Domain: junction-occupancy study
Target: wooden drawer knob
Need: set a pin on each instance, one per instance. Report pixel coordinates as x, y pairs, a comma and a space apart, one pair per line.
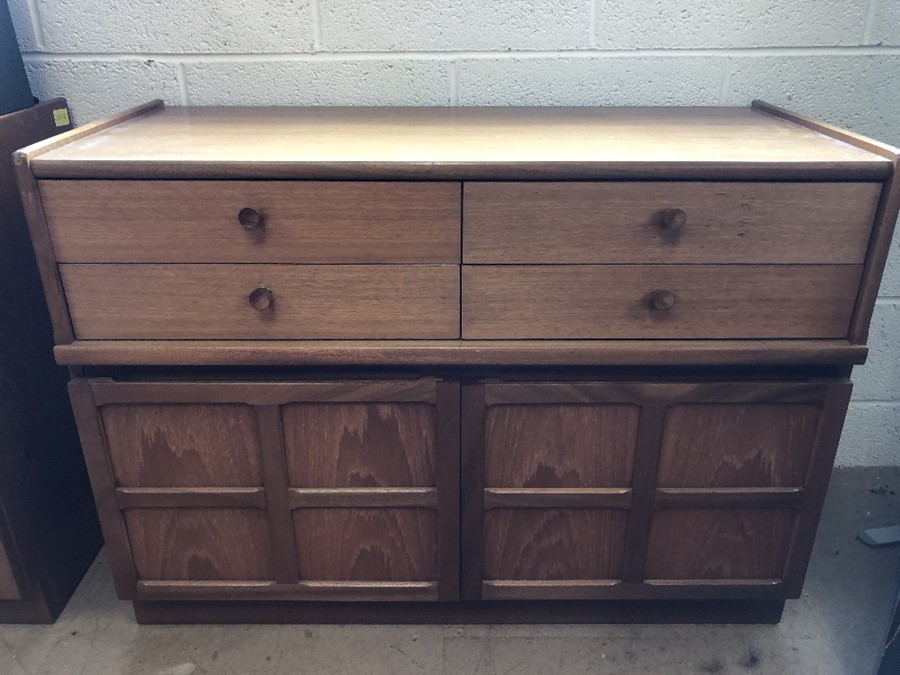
662, 300
251, 219
262, 299
674, 220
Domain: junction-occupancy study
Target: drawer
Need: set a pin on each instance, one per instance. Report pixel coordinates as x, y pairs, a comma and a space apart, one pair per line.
238, 221
303, 490
633, 301
668, 222
146, 302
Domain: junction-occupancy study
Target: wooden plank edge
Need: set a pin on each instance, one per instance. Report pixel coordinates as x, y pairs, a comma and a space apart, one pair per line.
557, 498
303, 590
373, 498
876, 256
30, 152
423, 170
173, 498
458, 352
850, 137
613, 589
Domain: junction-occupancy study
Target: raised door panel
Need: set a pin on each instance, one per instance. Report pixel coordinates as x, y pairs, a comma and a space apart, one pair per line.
559, 445
737, 445
553, 544
335, 445
199, 544
183, 445
367, 544
722, 544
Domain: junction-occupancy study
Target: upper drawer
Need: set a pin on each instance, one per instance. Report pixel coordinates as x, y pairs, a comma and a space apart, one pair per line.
238, 221
668, 222
262, 302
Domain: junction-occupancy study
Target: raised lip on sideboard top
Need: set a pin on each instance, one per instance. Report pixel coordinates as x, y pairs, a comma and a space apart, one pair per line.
878, 167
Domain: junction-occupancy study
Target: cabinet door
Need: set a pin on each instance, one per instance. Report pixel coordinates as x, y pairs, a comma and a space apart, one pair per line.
288, 490
644, 490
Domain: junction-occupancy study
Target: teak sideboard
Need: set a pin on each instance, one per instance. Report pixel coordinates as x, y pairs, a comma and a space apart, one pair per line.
445, 364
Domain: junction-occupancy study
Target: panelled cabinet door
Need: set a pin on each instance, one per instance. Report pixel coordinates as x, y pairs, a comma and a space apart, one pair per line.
313, 490
644, 490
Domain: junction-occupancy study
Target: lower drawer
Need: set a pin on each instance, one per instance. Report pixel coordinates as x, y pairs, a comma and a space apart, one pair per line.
658, 301
280, 490
147, 302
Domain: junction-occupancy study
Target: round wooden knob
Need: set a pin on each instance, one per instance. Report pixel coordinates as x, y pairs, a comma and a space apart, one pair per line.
262, 299
662, 300
674, 220
250, 219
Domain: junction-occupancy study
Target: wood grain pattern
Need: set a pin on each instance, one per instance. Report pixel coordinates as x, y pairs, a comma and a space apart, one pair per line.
623, 222
320, 593
183, 445
712, 301
460, 143
382, 497
460, 353
311, 301
719, 544
360, 444
367, 544
199, 544
560, 446
728, 445
308, 222
529, 544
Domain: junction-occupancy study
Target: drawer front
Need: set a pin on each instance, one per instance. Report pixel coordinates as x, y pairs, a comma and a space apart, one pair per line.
202, 221
262, 301
668, 222
329, 490
658, 301
577, 489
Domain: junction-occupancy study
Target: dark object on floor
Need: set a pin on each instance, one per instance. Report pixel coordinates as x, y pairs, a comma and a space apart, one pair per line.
15, 94
48, 526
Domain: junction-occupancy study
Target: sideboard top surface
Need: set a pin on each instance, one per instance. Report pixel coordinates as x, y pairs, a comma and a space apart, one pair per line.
458, 143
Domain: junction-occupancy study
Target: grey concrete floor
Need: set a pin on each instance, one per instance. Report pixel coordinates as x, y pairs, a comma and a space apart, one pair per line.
836, 628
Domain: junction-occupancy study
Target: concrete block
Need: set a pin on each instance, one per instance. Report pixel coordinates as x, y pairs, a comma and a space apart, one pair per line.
22, 23
591, 81
871, 436
879, 378
179, 26
857, 92
886, 27
384, 82
890, 282
495, 25
728, 24
99, 88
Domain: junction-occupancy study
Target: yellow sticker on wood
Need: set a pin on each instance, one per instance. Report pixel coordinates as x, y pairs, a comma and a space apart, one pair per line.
61, 117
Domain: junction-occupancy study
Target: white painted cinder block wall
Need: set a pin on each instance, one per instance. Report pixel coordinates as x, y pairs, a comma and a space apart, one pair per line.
834, 59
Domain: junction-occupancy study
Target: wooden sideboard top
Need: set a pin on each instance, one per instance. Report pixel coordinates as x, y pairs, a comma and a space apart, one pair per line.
155, 141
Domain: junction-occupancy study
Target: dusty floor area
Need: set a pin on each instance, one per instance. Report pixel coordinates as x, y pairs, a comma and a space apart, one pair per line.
836, 628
